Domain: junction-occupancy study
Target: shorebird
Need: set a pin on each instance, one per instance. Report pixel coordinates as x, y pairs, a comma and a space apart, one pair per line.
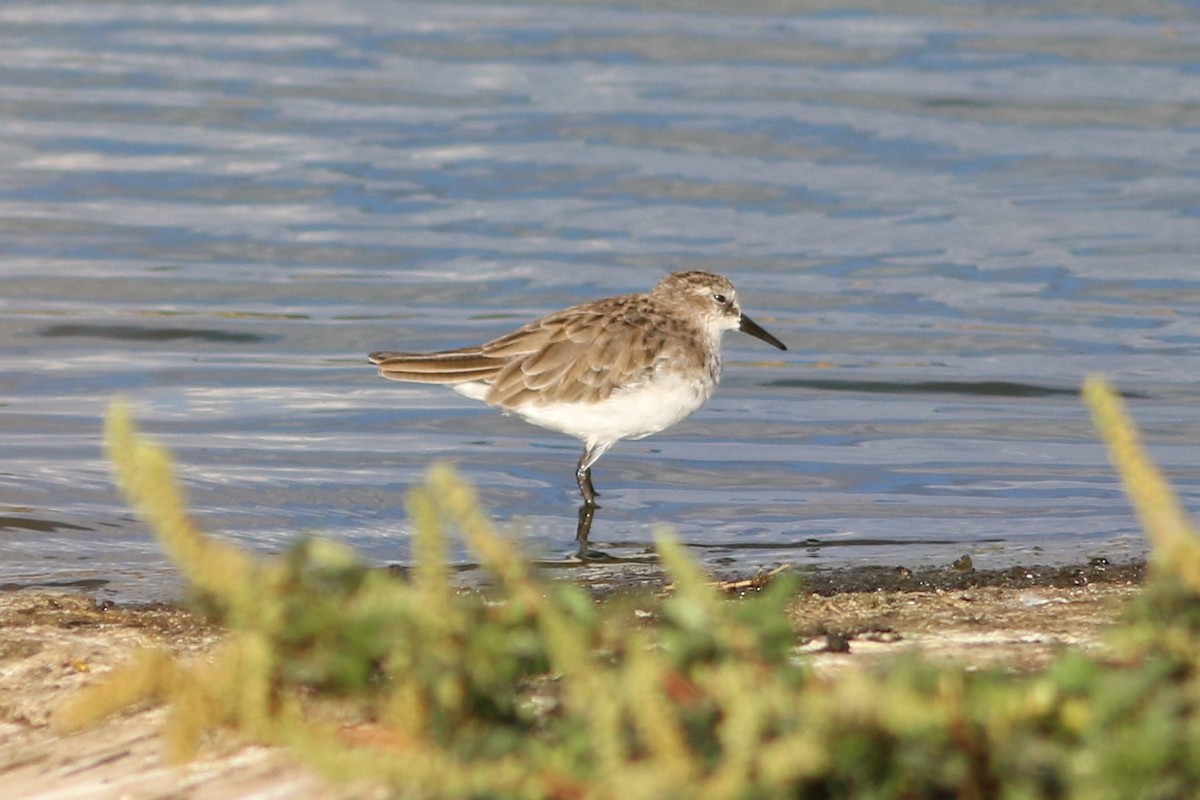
618, 368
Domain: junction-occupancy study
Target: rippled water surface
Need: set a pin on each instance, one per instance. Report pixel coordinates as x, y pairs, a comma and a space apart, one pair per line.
951, 212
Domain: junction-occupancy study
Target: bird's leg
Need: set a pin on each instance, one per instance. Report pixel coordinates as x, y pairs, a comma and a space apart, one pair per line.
584, 528
583, 476
583, 472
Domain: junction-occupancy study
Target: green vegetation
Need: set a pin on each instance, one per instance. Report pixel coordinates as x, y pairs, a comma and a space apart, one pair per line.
533, 690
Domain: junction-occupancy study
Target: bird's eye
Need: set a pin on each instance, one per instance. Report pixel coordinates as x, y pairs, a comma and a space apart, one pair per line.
720, 299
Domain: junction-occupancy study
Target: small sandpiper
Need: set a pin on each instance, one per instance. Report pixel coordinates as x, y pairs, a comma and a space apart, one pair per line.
618, 368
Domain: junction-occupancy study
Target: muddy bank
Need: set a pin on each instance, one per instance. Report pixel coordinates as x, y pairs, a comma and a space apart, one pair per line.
51, 644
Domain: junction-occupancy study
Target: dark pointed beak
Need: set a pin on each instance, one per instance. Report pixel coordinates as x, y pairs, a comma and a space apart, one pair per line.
751, 327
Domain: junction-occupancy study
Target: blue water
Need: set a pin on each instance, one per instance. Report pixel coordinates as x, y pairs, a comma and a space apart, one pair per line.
951, 213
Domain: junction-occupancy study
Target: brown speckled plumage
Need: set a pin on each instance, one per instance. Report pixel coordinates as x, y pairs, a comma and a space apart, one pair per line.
561, 370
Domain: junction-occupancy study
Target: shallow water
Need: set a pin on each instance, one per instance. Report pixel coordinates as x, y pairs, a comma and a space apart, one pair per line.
950, 212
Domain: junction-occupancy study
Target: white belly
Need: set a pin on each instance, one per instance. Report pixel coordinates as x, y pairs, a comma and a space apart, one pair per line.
628, 414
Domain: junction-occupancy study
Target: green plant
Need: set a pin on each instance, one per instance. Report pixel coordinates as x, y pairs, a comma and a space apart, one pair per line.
531, 689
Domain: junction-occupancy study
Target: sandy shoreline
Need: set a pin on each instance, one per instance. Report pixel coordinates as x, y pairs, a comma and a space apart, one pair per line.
51, 644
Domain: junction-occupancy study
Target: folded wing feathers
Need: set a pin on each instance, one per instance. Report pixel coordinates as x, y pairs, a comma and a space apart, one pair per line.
454, 366
582, 353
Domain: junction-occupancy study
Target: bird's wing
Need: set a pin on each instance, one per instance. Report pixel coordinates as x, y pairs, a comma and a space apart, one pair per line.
580, 354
